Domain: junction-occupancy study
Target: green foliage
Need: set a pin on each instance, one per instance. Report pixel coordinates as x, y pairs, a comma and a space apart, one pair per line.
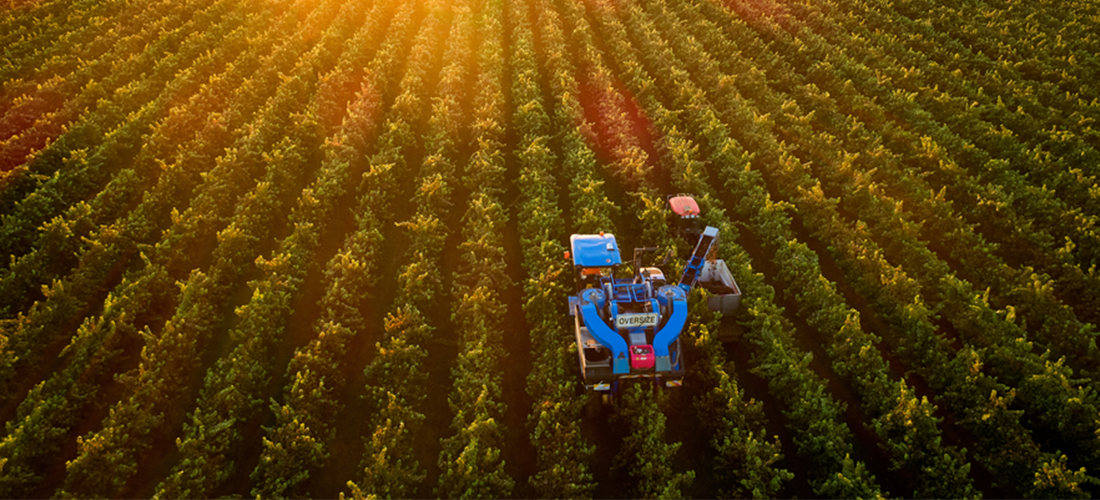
470, 463
1055, 480
745, 458
942, 155
643, 455
289, 451
392, 470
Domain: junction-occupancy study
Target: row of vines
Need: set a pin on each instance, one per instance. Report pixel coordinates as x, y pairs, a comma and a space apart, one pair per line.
314, 248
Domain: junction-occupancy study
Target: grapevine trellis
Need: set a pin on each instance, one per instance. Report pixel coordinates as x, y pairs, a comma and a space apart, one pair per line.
315, 248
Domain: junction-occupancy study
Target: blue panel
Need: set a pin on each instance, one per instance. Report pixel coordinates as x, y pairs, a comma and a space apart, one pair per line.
626, 291
591, 250
676, 321
603, 333
621, 365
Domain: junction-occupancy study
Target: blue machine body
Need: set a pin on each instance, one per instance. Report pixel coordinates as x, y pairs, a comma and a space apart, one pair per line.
630, 327
595, 250
618, 318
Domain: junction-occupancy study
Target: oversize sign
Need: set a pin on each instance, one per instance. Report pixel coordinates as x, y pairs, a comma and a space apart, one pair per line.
636, 320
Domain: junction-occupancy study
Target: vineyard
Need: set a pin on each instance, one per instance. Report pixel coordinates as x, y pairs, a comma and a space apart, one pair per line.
314, 248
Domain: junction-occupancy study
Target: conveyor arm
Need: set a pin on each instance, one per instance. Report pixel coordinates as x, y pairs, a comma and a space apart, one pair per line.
698, 258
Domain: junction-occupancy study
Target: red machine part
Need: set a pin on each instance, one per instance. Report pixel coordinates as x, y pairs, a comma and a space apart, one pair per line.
684, 206
641, 357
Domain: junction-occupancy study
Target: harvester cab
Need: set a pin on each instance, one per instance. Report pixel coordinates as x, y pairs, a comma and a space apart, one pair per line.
629, 328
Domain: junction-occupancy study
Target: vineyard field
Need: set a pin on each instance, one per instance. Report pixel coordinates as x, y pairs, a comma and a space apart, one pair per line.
318, 248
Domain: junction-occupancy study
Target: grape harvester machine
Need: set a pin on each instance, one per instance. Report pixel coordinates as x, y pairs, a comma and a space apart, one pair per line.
629, 328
